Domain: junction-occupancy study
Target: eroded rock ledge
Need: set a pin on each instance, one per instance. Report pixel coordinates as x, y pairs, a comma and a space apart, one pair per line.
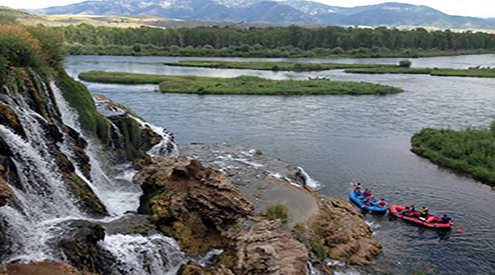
202, 209
194, 204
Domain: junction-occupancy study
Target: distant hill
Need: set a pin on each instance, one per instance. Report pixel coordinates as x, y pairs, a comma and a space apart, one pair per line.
277, 12
134, 21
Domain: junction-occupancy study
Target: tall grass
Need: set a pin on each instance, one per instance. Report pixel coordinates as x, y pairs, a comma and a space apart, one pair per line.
33, 47
470, 150
239, 85
277, 211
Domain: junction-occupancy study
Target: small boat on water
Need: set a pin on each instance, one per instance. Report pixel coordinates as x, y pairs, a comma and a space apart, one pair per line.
373, 206
429, 221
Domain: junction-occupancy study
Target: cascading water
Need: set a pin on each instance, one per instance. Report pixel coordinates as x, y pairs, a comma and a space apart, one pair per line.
42, 203
41, 198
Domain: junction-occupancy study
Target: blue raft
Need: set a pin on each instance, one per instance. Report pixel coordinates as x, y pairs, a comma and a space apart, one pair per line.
372, 207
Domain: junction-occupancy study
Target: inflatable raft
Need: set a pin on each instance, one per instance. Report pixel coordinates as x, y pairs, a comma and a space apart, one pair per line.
429, 221
374, 207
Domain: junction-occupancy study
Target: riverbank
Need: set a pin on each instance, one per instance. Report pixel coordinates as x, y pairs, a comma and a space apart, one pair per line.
471, 72
273, 66
248, 85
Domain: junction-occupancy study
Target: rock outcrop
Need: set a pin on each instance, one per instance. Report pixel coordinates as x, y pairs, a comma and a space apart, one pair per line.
80, 246
6, 192
328, 227
202, 210
263, 249
342, 231
194, 204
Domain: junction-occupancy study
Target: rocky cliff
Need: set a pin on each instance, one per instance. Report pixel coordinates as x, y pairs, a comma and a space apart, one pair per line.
204, 208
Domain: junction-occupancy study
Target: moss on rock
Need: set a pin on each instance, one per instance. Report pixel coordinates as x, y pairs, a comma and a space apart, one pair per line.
81, 100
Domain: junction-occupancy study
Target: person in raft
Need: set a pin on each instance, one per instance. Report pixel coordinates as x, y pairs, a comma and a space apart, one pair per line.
367, 200
382, 203
367, 193
405, 212
446, 219
411, 208
423, 213
357, 186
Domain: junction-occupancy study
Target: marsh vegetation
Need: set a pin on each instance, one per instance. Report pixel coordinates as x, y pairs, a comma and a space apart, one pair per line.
251, 85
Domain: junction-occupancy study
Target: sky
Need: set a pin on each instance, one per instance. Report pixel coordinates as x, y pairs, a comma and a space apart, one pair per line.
476, 8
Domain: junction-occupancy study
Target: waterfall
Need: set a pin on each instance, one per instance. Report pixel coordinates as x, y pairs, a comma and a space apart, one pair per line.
41, 198
41, 203
136, 254
166, 147
117, 198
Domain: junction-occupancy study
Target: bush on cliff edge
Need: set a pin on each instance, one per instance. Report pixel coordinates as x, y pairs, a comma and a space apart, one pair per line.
40, 49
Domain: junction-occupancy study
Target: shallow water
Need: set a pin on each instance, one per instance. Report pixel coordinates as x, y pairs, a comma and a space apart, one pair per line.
339, 140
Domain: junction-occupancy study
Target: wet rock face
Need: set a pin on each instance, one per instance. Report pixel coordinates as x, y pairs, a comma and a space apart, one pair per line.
263, 249
80, 246
6, 192
194, 204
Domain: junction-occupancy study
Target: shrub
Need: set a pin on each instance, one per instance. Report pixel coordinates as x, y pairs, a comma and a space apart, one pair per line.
337, 50
136, 47
405, 63
19, 46
277, 211
51, 44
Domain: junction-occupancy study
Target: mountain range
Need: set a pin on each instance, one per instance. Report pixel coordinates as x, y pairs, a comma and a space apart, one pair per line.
277, 12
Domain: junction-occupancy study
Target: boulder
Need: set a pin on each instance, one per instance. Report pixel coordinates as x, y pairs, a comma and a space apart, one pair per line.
81, 248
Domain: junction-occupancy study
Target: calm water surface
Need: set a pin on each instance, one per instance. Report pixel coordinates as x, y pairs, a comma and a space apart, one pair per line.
339, 140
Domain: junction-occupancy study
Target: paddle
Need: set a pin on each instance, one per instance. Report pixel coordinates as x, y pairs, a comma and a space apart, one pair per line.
458, 229
352, 189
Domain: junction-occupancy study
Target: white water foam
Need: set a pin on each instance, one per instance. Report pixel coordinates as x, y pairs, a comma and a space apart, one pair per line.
117, 199
166, 147
136, 254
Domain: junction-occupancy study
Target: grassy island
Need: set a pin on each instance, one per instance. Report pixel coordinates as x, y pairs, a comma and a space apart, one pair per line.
471, 72
239, 85
274, 66
471, 150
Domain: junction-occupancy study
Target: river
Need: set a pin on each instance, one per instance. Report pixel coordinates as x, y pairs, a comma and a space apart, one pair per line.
343, 139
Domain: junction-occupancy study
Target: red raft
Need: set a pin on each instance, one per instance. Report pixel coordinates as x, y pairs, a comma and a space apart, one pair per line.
430, 221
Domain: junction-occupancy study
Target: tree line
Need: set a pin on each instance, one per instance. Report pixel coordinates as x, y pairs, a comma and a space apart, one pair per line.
272, 41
